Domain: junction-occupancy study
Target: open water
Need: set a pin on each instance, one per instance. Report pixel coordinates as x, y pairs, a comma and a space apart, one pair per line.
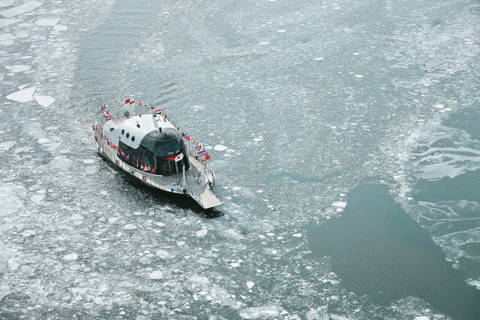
344, 136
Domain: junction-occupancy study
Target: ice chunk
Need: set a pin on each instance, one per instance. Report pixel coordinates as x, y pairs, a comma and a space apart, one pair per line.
10, 202
43, 140
359, 76
129, 227
236, 188
260, 312
6, 22
28, 233
439, 106
7, 36
18, 68
46, 22
250, 284
60, 27
340, 204
297, 235
201, 233
24, 95
4, 290
319, 58
44, 101
164, 254
156, 275
422, 318
6, 3
88, 161
21, 9
5, 146
70, 257
218, 147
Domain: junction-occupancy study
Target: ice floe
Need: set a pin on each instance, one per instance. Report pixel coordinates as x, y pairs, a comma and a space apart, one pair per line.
7, 36
156, 275
18, 68
70, 257
24, 95
44, 101
201, 233
46, 22
219, 147
21, 9
6, 3
6, 22
260, 312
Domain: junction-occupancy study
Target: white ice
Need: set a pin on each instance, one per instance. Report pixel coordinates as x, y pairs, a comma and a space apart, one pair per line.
70, 257
46, 22
24, 95
5, 146
21, 9
260, 312
201, 233
18, 68
340, 204
6, 3
156, 275
9, 200
422, 318
7, 36
219, 147
250, 284
6, 22
60, 27
44, 101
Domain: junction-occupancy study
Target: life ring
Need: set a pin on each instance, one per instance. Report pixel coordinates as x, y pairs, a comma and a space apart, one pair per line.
144, 178
117, 162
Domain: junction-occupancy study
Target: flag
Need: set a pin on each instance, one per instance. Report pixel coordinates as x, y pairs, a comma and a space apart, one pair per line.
207, 157
109, 116
165, 116
140, 103
102, 109
201, 152
153, 171
127, 157
179, 157
127, 101
105, 115
158, 111
132, 101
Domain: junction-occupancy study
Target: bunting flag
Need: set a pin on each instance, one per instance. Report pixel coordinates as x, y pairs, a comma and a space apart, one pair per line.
165, 116
153, 171
132, 101
105, 115
127, 157
201, 152
158, 111
127, 101
109, 116
102, 109
179, 157
140, 103
207, 157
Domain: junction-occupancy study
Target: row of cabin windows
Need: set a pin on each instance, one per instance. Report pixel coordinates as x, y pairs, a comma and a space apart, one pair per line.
143, 159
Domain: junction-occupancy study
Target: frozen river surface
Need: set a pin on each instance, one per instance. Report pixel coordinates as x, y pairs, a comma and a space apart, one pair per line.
344, 137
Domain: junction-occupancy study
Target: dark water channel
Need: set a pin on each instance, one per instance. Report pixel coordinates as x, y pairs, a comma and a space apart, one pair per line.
378, 250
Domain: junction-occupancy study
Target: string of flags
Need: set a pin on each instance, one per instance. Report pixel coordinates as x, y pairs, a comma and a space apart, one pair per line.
198, 149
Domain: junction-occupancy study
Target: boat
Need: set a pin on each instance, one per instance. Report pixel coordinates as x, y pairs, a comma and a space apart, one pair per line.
152, 149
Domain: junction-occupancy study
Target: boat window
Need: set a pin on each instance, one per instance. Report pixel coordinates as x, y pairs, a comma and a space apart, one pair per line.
123, 131
133, 138
128, 134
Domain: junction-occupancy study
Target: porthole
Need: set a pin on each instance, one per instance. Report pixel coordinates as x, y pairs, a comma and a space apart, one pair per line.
123, 131
133, 138
128, 134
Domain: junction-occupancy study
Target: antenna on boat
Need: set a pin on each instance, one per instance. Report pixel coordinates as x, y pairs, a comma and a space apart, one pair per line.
153, 116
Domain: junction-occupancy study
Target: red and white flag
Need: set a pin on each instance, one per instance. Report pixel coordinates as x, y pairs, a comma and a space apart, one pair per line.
179, 157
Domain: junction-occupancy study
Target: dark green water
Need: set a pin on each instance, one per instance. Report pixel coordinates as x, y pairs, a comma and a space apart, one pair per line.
378, 250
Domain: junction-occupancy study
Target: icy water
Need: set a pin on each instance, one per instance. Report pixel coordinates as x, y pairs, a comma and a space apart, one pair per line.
344, 137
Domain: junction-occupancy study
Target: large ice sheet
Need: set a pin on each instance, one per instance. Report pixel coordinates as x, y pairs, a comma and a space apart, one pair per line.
21, 9
24, 95
6, 22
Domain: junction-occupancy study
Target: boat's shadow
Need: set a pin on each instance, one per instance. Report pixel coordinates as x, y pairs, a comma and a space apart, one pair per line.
159, 197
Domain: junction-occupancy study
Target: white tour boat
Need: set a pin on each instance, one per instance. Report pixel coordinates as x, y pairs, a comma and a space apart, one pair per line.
152, 149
